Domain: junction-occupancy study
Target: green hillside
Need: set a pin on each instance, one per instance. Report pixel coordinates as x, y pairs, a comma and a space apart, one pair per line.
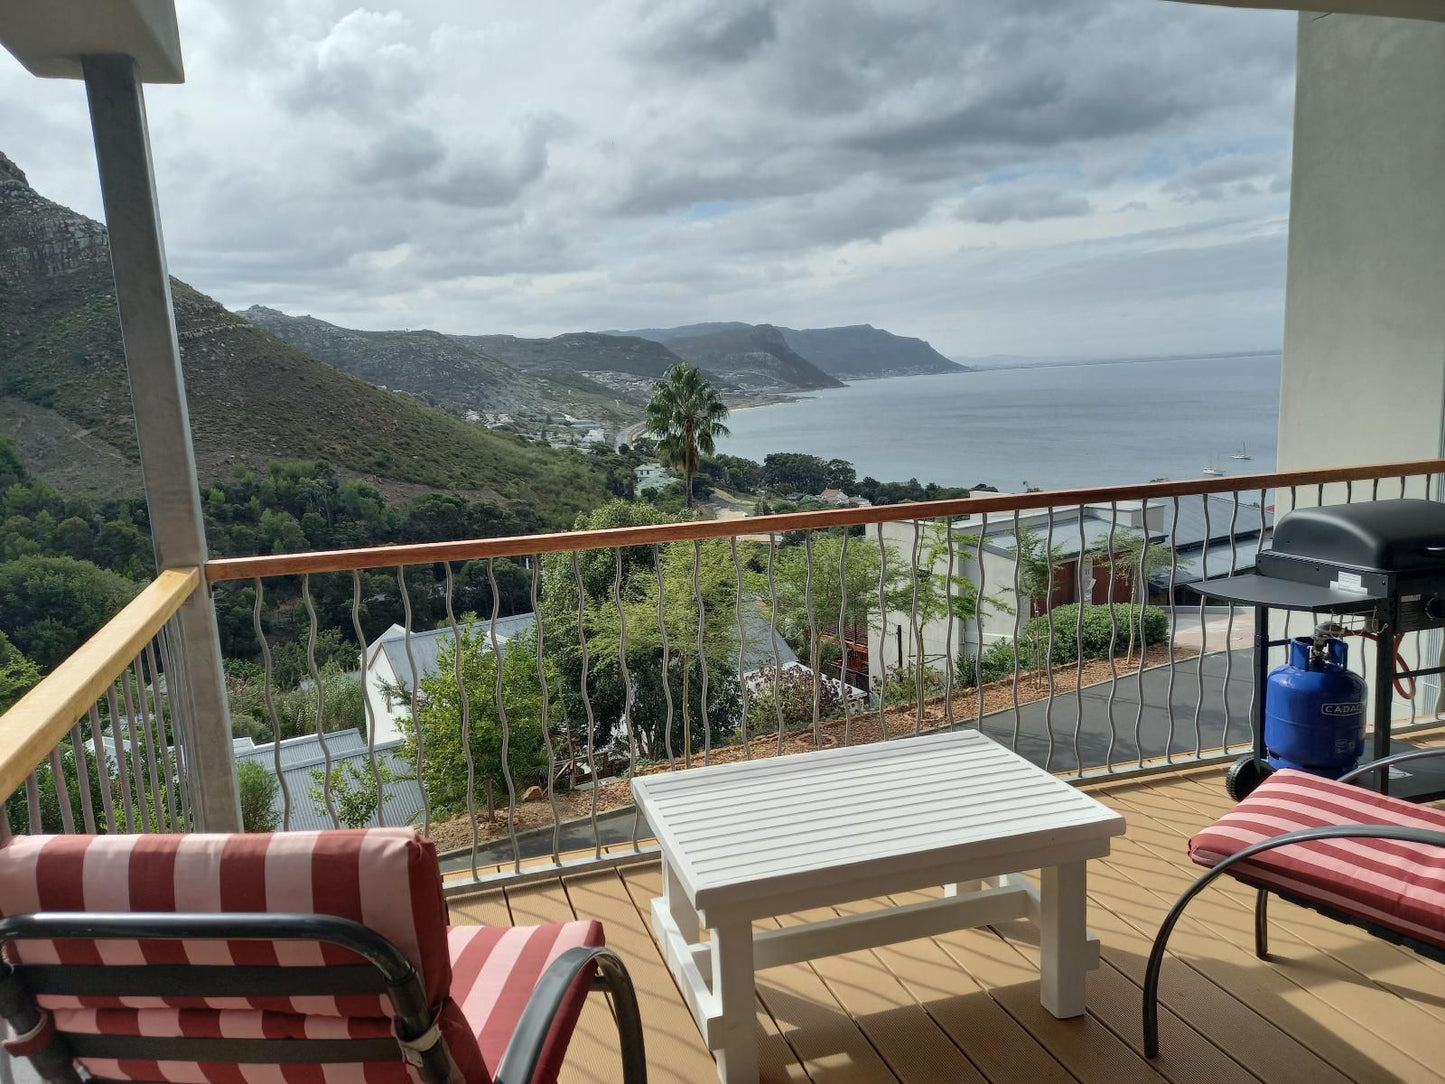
253, 398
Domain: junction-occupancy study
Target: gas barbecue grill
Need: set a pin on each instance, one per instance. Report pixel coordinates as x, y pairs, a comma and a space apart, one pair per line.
1380, 561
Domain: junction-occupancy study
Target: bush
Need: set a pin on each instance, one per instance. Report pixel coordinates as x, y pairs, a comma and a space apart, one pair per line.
258, 786
998, 663
902, 683
1096, 632
795, 694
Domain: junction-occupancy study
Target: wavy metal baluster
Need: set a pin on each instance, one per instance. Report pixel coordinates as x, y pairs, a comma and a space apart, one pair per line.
366, 693
144, 698
977, 619
1320, 495
169, 753
1402, 487
1114, 626
1293, 504
102, 769
742, 646
415, 681
502, 720
177, 693
587, 700
132, 747
916, 634
949, 621
1349, 491
122, 768
883, 634
666, 657
464, 700
1258, 549
32, 804
266, 683
1049, 641
773, 635
62, 793
313, 629
1019, 603
1141, 586
1079, 647
82, 779
813, 654
546, 703
1173, 624
844, 685
1229, 621
701, 648
627, 699
161, 743
1375, 489
1203, 639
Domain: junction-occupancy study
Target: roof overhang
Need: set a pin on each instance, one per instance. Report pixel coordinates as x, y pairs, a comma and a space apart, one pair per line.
1393, 9
50, 38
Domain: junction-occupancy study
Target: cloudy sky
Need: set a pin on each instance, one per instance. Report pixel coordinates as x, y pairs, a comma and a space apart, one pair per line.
997, 176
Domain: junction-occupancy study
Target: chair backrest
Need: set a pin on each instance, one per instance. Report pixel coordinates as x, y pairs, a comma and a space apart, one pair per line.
194, 1010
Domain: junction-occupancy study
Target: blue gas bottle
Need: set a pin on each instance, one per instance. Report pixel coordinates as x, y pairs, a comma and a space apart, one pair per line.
1315, 709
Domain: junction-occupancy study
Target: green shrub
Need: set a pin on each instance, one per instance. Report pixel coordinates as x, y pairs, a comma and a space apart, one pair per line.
998, 663
258, 786
1095, 635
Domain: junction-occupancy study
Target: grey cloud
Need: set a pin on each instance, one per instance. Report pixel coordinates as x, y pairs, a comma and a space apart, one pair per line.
400, 155
688, 32
1229, 176
1022, 203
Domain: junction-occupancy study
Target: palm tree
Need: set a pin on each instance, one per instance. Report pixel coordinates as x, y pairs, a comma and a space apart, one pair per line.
685, 414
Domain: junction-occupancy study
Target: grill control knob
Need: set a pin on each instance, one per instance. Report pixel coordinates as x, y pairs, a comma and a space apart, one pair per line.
1435, 608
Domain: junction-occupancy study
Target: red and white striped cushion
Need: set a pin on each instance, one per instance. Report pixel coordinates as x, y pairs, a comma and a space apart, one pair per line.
1397, 885
494, 970
385, 878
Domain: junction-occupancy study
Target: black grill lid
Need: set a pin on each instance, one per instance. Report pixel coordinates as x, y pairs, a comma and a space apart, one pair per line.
1390, 536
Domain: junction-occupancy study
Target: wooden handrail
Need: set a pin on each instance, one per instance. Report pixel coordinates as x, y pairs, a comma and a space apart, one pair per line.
291, 564
44, 715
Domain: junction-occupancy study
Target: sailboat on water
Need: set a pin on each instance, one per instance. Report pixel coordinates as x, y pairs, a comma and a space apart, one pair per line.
1243, 452
1211, 470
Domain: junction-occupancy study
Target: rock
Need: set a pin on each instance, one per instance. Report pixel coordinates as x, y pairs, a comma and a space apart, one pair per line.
534, 794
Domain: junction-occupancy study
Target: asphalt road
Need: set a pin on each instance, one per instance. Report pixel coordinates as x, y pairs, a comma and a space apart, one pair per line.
1093, 744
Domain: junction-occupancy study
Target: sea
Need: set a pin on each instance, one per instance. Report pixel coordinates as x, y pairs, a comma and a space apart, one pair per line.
1054, 426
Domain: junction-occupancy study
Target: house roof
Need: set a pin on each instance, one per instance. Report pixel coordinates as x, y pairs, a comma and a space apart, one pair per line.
301, 756
756, 651
426, 646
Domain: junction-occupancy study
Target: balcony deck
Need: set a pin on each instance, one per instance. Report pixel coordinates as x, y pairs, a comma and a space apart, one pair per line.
1334, 1005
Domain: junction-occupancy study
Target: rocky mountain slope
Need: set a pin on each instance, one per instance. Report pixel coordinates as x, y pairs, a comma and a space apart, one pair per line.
752, 357
625, 366
855, 352
865, 352
253, 398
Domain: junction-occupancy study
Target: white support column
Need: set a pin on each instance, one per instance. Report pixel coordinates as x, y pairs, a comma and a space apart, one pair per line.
1064, 939
736, 1047
158, 395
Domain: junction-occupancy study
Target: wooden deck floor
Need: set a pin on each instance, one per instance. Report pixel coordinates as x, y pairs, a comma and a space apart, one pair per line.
1333, 1005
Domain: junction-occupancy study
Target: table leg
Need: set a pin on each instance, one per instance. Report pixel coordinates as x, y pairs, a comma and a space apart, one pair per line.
732, 979
1063, 939
678, 904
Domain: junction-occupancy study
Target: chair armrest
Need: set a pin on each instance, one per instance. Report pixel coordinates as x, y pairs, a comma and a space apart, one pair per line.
524, 1049
1385, 762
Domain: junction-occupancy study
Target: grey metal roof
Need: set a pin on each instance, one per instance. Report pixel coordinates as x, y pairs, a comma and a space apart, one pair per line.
1191, 532
427, 646
756, 651
301, 756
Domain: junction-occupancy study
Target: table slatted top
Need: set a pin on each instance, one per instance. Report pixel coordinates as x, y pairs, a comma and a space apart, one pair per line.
781, 819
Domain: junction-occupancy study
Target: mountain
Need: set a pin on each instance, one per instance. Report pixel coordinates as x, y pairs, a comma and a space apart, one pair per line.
252, 397
595, 362
855, 352
752, 357
864, 352
445, 370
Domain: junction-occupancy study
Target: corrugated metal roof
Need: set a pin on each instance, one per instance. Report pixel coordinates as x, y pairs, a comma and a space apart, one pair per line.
426, 646
301, 756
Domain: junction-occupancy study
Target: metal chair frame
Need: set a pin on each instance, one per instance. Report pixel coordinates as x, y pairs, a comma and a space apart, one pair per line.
1261, 907
386, 970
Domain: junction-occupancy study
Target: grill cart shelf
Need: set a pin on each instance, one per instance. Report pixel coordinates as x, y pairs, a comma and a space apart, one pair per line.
1382, 560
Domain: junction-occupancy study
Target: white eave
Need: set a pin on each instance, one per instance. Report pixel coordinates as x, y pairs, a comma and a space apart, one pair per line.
49, 38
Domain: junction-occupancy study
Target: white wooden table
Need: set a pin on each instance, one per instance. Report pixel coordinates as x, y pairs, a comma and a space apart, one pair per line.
751, 840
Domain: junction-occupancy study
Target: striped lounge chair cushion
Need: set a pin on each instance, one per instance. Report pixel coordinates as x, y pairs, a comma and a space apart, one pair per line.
1399, 886
386, 878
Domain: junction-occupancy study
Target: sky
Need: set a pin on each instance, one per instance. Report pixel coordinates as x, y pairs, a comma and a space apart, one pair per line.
1038, 177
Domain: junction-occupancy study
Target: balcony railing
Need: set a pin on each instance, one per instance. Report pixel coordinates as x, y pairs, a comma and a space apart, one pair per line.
640, 631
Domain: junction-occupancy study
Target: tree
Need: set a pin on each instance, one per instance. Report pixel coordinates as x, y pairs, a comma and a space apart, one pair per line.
258, 786
49, 606
443, 766
795, 472
17, 674
353, 792
1130, 549
686, 414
